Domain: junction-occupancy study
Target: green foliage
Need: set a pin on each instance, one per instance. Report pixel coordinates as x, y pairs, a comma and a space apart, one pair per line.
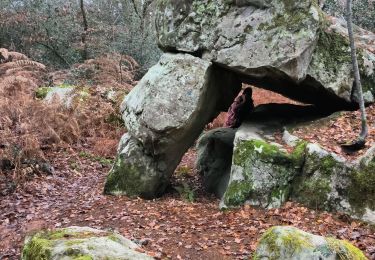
186, 192
363, 12
99, 159
42, 92
183, 170
51, 31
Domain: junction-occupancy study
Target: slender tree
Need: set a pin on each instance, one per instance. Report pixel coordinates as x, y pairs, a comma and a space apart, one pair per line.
85, 30
361, 140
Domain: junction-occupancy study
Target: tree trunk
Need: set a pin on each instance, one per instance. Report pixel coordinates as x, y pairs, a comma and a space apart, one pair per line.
364, 129
85, 30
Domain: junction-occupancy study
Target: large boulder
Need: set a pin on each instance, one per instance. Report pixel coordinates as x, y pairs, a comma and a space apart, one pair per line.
80, 243
289, 243
164, 114
266, 173
261, 169
290, 47
330, 182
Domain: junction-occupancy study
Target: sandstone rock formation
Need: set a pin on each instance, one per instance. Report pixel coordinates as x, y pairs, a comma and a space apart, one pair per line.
263, 173
289, 243
80, 243
164, 114
289, 47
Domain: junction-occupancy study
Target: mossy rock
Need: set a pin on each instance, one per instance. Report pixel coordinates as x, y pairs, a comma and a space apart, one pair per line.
134, 174
289, 243
261, 173
79, 243
329, 182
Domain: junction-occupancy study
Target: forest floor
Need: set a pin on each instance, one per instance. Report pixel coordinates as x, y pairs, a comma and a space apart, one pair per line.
185, 225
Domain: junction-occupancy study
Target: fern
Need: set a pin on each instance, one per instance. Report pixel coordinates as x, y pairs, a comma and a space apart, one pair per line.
20, 63
17, 56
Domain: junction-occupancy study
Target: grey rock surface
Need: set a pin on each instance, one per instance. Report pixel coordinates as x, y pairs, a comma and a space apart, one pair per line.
215, 149
290, 243
80, 243
164, 114
264, 174
290, 47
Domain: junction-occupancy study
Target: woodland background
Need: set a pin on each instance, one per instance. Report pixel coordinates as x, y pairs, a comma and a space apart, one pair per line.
103, 48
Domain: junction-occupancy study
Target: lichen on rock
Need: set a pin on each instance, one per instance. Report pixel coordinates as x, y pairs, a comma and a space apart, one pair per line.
261, 173
289, 243
264, 174
79, 243
290, 47
164, 114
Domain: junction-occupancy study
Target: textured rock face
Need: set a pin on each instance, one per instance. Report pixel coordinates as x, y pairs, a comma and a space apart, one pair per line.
289, 243
80, 243
261, 171
263, 174
164, 114
287, 46
215, 150
329, 182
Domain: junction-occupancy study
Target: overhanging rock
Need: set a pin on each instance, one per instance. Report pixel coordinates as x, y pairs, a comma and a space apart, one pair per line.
290, 47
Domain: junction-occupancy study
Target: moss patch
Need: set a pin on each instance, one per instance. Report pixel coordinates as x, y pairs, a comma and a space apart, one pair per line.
289, 240
83, 257
133, 179
67, 234
314, 193
42, 92
266, 152
361, 192
313, 186
38, 248
255, 158
345, 250
237, 193
124, 178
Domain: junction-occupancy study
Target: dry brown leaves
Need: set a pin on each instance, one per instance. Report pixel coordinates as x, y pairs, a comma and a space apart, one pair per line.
168, 228
342, 128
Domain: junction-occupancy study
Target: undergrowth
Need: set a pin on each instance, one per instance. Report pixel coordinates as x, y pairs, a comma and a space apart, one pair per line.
30, 127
